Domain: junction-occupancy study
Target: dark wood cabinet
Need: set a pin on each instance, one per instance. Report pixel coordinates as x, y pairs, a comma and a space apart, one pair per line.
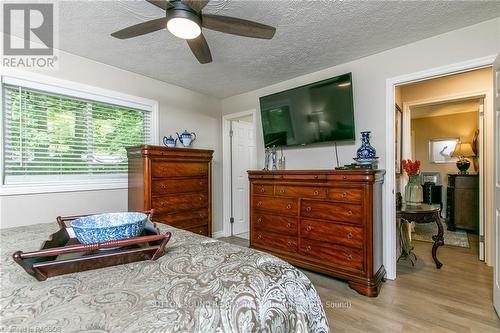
175, 182
323, 220
462, 202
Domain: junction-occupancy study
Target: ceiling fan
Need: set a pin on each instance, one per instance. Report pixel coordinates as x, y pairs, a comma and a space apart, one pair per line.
184, 19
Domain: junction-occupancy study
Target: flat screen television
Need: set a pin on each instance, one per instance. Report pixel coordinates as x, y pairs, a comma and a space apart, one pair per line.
314, 113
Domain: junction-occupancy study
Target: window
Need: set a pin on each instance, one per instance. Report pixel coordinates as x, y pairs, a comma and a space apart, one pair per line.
51, 137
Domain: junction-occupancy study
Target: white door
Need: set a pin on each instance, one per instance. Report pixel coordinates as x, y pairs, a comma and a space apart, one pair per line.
496, 104
243, 152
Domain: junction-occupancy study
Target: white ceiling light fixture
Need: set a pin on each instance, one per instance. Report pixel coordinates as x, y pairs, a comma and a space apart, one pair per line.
183, 22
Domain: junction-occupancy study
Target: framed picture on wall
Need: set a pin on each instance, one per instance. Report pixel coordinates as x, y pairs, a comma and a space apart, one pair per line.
398, 138
440, 150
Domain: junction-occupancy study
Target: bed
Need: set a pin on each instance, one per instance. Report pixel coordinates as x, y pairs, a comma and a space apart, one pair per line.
199, 285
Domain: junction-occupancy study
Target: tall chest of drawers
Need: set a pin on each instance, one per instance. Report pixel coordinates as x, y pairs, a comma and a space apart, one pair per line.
175, 182
323, 220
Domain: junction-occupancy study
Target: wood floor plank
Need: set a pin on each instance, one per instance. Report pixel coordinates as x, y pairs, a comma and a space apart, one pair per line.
456, 298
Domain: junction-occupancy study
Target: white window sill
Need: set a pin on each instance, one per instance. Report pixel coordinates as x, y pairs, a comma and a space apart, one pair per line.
10, 190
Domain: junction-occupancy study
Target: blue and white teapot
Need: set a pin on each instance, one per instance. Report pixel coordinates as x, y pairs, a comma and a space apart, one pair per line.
170, 141
186, 138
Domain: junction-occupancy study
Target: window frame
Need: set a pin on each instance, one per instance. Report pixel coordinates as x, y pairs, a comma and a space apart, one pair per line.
77, 90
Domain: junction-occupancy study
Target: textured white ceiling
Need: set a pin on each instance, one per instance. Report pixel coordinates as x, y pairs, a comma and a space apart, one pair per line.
443, 109
311, 35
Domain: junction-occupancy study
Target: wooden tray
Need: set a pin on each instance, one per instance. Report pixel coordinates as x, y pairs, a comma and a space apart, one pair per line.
62, 253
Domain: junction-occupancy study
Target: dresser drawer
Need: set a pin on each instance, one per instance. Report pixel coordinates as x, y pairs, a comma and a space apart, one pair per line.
181, 202
184, 220
301, 177
261, 189
178, 169
332, 211
349, 177
301, 191
273, 223
174, 186
331, 232
332, 254
275, 241
345, 194
201, 230
281, 206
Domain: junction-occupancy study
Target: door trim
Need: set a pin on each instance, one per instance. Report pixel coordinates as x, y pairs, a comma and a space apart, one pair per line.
389, 197
226, 165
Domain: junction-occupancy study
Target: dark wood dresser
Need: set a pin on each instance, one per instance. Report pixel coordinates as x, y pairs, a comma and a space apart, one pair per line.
323, 220
175, 182
462, 202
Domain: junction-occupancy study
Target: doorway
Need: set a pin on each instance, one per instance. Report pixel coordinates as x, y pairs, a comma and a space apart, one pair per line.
239, 145
440, 113
389, 211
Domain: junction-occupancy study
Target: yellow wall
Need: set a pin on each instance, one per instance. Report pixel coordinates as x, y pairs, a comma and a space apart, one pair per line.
461, 125
447, 86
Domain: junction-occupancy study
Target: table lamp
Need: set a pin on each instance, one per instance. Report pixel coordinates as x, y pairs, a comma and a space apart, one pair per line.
463, 150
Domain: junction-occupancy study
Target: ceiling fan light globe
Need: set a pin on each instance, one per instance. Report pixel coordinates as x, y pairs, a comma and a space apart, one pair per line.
183, 28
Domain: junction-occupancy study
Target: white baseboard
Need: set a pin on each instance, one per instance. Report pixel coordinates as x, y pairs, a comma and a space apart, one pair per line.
218, 234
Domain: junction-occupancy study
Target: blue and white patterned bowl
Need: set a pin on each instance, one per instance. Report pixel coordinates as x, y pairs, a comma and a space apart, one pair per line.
110, 226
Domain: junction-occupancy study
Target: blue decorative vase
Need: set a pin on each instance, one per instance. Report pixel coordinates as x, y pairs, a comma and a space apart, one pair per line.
366, 153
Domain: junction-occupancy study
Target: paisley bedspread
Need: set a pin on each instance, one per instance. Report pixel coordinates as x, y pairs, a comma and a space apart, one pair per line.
199, 285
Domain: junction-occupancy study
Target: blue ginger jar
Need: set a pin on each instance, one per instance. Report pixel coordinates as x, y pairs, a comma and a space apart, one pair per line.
366, 154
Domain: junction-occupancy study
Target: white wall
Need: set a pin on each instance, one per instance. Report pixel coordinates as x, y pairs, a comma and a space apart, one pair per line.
369, 84
179, 108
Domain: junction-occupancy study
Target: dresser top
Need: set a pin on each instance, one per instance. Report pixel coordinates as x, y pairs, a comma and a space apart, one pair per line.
316, 172
463, 175
326, 175
162, 150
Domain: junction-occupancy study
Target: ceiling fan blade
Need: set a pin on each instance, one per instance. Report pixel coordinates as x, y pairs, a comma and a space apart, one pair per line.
197, 5
163, 4
141, 28
236, 26
200, 49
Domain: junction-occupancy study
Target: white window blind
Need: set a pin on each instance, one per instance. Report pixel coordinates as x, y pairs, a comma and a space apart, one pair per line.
50, 137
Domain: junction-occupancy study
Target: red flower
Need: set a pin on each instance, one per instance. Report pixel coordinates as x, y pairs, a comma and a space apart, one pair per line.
411, 168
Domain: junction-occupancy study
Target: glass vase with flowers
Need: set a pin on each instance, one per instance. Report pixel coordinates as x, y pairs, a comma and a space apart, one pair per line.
413, 190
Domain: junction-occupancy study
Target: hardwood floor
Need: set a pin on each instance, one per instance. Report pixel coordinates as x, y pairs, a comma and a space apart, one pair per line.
456, 298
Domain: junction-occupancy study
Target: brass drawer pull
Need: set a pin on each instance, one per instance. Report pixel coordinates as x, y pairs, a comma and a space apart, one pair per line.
316, 192
262, 190
282, 191
349, 235
200, 232
289, 243
259, 203
289, 225
315, 177
289, 206
163, 186
344, 177
344, 194
259, 236
308, 228
308, 209
308, 248
349, 212
259, 220
201, 198
349, 257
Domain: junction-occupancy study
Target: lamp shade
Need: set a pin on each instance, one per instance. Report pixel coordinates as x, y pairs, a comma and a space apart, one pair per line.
463, 150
